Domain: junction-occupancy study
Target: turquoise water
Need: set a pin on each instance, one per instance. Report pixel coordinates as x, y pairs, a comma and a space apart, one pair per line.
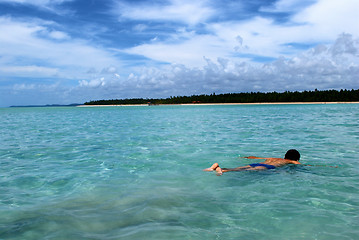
136, 172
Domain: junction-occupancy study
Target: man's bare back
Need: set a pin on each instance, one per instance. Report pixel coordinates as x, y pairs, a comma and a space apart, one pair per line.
291, 157
277, 162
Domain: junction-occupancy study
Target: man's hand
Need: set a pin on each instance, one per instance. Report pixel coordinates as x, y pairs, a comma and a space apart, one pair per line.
253, 157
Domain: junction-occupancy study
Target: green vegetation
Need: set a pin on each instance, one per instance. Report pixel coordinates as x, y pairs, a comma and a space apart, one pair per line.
252, 97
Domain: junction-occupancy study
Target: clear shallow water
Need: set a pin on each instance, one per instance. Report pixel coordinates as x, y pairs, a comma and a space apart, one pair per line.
136, 172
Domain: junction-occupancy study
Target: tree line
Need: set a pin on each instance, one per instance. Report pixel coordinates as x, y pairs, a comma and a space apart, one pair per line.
248, 97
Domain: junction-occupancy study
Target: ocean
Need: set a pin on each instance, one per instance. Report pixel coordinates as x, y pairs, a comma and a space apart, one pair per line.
135, 172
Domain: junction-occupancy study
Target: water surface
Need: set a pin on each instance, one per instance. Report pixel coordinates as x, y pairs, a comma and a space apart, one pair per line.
136, 172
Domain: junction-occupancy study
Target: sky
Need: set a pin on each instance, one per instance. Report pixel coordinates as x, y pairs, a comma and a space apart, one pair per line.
73, 51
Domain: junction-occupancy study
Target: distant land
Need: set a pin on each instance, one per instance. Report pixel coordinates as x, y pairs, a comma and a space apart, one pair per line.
249, 97
50, 105
227, 98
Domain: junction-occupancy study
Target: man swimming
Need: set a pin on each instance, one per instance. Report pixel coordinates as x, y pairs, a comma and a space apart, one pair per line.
291, 157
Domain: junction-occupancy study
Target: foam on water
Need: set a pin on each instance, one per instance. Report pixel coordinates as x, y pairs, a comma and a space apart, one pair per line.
135, 172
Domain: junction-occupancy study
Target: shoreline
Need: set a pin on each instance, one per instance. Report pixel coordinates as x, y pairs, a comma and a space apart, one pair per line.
213, 104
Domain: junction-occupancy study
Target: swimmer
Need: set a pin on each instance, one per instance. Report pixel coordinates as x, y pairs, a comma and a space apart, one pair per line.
291, 157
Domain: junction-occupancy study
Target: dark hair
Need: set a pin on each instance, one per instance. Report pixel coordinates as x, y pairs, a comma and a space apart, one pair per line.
292, 154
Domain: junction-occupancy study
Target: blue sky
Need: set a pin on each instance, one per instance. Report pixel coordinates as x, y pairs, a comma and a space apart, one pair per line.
72, 51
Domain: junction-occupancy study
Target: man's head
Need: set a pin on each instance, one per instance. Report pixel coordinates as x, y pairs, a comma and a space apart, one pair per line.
292, 154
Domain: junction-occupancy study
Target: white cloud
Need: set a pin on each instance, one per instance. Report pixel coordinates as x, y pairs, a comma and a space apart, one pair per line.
257, 36
47, 5
58, 35
140, 27
320, 22
28, 42
109, 70
323, 67
287, 5
40, 3
38, 87
333, 66
28, 71
323, 20
93, 83
327, 18
188, 51
185, 11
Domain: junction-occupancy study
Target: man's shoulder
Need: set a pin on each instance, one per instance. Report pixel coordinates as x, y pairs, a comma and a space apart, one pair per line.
279, 161
274, 160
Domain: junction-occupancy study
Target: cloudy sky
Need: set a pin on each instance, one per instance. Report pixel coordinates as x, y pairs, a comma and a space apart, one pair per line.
72, 51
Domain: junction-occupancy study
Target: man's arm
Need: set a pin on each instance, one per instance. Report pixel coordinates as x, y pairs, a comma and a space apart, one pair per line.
293, 162
253, 157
